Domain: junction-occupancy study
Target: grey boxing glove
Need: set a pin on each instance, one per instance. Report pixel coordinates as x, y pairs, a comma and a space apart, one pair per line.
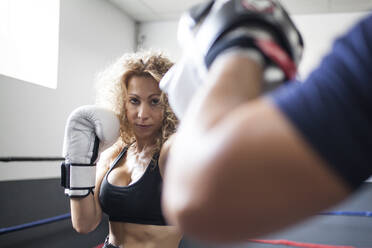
89, 130
260, 29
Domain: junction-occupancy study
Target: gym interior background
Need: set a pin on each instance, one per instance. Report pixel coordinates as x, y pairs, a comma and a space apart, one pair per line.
81, 38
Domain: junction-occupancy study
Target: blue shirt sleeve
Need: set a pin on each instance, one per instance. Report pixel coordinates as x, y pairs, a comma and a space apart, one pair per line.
332, 109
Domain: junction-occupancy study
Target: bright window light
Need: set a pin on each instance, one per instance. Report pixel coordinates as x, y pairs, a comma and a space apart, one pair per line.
29, 33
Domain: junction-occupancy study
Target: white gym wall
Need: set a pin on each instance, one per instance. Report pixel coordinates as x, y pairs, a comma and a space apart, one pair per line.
92, 34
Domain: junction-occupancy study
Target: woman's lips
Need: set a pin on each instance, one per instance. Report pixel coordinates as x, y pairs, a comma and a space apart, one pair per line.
142, 126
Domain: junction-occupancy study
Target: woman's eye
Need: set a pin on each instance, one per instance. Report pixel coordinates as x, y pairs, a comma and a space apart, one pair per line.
155, 101
133, 100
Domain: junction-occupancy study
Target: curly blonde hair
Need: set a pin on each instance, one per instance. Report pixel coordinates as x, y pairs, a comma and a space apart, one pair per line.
112, 85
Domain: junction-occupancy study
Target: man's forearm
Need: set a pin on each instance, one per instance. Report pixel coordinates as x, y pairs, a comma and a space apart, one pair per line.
232, 82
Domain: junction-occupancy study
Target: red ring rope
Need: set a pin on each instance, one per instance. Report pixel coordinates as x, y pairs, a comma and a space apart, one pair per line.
297, 244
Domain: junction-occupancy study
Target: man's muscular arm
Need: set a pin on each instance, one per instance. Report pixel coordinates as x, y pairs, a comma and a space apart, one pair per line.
238, 169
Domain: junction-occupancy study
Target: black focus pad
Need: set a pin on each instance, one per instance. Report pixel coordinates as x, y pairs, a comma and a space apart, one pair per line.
198, 11
218, 19
271, 15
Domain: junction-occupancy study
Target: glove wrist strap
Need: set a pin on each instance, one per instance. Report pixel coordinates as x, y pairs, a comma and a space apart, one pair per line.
78, 179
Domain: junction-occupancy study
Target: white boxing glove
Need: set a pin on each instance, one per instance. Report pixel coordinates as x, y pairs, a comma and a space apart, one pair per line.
89, 130
181, 82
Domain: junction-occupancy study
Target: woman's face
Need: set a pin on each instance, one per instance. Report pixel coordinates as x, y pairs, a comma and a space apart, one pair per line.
143, 107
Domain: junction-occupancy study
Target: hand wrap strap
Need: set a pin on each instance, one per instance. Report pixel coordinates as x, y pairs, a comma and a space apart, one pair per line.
78, 176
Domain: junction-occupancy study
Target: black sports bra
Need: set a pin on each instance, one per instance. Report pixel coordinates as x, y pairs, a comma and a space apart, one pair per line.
135, 203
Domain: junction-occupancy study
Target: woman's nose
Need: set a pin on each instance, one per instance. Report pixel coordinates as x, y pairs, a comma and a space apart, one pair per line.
143, 111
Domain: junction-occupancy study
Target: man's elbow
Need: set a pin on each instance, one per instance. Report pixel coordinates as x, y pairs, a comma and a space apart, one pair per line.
192, 213
191, 197
185, 216
199, 222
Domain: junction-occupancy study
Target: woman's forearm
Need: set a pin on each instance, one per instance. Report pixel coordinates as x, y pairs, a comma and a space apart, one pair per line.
85, 215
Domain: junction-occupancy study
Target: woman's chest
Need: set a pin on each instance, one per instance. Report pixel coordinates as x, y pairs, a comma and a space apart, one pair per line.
129, 171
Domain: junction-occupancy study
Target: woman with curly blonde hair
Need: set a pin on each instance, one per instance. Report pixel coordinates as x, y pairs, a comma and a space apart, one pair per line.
129, 173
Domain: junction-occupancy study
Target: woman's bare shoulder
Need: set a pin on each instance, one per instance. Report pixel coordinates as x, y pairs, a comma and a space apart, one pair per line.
164, 151
108, 155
